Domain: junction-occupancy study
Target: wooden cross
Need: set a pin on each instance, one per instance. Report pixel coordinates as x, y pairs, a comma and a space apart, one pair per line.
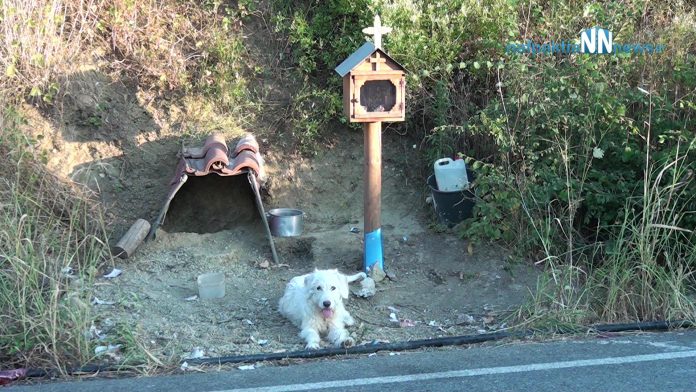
375, 61
377, 30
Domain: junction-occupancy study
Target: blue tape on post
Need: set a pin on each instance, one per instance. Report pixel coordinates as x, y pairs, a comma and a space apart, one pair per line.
373, 250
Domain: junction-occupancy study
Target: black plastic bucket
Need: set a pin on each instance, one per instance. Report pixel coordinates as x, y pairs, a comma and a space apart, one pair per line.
452, 207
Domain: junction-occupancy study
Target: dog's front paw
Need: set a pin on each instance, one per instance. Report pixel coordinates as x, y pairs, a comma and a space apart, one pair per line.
348, 342
312, 346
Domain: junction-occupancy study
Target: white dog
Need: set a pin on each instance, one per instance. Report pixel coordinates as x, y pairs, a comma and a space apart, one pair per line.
314, 303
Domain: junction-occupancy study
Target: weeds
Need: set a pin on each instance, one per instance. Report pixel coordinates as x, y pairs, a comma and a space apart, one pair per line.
52, 242
38, 39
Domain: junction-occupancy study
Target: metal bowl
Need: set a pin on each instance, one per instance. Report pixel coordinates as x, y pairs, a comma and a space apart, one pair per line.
285, 222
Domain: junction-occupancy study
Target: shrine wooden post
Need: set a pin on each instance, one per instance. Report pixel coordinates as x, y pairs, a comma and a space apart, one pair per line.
374, 88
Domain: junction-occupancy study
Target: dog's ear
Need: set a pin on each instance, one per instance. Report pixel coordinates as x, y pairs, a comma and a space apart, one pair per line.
343, 286
309, 279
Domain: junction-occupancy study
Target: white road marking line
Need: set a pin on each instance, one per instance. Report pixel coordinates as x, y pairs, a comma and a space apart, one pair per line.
469, 372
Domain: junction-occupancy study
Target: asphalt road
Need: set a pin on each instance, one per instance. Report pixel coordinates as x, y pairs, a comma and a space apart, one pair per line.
644, 362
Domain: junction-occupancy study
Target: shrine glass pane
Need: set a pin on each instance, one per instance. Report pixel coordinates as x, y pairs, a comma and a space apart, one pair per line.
378, 95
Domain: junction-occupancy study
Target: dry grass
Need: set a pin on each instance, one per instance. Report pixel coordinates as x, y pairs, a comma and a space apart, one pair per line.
39, 39
52, 242
165, 45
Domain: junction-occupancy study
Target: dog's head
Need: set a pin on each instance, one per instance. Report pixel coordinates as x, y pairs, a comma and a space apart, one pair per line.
326, 289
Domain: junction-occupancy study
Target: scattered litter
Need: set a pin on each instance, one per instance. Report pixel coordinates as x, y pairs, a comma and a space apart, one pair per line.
262, 342
405, 238
367, 288
196, 353
246, 367
184, 366
95, 333
97, 301
248, 322
263, 264
191, 298
377, 273
392, 354
470, 249
503, 326
433, 323
428, 200
67, 271
393, 318
354, 230
7, 376
110, 349
465, 319
114, 273
481, 331
393, 309
372, 355
280, 265
406, 323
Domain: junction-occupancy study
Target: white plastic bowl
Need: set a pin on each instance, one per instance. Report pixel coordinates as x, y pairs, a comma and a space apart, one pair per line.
211, 285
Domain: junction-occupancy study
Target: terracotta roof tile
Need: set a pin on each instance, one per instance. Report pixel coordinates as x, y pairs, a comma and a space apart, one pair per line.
214, 157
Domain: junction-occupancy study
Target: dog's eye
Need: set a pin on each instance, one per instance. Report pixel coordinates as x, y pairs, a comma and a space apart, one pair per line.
333, 288
319, 288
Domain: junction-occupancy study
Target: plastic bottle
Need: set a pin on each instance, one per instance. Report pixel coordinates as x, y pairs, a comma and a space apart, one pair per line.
451, 175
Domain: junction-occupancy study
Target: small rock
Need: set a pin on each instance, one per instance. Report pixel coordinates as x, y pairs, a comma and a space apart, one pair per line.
391, 275
377, 273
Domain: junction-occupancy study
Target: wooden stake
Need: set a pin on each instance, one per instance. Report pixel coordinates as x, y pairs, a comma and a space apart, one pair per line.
373, 195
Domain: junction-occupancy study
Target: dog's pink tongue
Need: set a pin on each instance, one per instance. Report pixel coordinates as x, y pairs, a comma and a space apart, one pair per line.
327, 313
